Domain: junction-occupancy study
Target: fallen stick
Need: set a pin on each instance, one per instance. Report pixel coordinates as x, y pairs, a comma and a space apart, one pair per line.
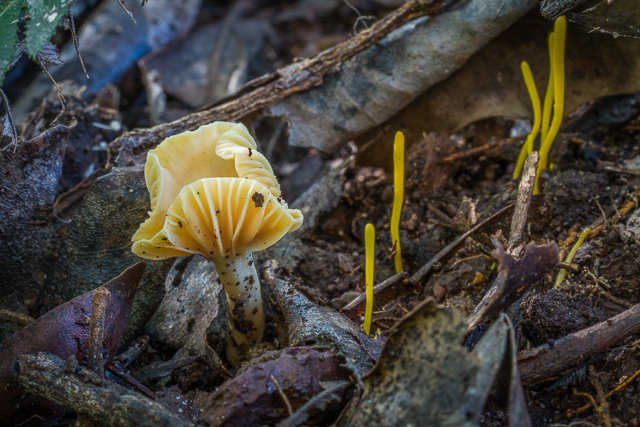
383, 292
269, 88
78, 388
548, 360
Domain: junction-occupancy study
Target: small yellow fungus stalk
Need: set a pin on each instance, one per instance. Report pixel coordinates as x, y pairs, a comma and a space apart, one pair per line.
369, 241
548, 97
559, 36
562, 273
527, 148
398, 196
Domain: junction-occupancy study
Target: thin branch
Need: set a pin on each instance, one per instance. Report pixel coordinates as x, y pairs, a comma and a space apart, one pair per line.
19, 319
294, 78
72, 28
121, 3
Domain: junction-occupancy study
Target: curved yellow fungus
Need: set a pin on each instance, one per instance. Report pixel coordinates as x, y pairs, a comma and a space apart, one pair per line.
559, 36
562, 273
369, 241
548, 97
398, 195
527, 148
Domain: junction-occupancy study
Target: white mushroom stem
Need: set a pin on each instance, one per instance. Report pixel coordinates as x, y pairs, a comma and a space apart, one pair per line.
246, 314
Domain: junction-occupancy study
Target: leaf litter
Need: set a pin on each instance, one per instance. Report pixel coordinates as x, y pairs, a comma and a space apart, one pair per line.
459, 199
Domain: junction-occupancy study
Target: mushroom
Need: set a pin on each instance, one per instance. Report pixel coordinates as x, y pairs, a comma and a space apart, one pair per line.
212, 193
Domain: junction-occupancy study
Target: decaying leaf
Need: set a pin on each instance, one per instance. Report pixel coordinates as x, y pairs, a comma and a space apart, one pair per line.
266, 393
422, 374
309, 324
97, 246
494, 79
385, 78
185, 69
158, 23
425, 376
64, 331
498, 371
518, 276
29, 179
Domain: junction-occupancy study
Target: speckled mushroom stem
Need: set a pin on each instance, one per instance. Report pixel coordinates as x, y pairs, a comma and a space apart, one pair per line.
246, 314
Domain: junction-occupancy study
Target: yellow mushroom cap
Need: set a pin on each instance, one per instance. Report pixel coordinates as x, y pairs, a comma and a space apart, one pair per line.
211, 193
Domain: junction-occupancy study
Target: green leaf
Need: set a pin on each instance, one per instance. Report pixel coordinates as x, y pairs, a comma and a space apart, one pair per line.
9, 15
46, 15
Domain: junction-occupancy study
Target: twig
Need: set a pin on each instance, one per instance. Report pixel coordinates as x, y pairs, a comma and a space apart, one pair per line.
294, 78
19, 319
123, 360
569, 266
282, 395
616, 300
121, 3
603, 406
547, 361
63, 102
388, 286
587, 395
72, 28
99, 305
88, 394
477, 150
131, 381
523, 201
422, 273
598, 225
618, 389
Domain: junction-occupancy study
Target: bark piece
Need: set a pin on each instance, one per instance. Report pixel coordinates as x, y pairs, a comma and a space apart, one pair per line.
312, 325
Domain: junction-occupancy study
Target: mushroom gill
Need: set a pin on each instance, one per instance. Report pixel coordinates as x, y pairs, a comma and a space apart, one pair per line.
212, 193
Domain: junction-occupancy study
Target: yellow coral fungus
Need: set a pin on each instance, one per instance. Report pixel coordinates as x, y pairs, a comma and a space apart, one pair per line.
398, 196
562, 273
369, 241
559, 36
527, 148
548, 97
553, 101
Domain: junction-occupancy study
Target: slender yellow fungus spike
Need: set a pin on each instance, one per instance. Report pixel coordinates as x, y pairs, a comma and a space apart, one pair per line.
398, 196
559, 36
562, 273
548, 97
527, 148
369, 241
